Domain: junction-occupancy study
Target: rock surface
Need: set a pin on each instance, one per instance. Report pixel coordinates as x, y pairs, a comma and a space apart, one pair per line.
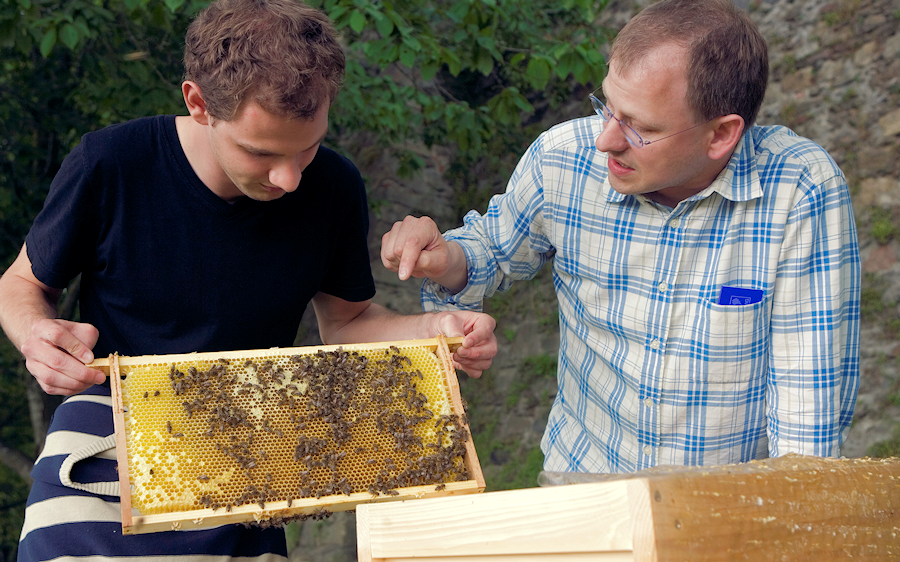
835, 78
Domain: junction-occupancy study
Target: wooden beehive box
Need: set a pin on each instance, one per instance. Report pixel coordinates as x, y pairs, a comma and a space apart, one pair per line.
267, 436
801, 509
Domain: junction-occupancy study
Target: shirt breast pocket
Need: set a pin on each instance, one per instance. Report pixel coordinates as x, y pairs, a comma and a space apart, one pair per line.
731, 343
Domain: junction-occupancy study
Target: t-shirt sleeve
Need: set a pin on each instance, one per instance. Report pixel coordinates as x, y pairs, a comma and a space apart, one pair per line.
348, 273
64, 232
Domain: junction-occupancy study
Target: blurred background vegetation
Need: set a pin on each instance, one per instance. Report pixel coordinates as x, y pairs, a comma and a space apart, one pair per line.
473, 75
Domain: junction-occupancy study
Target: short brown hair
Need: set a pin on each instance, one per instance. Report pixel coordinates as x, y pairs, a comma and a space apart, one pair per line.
281, 54
728, 61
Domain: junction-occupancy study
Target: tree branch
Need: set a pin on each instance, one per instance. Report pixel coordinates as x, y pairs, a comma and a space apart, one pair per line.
17, 461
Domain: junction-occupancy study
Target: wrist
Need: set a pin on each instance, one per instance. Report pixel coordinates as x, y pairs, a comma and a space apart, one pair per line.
457, 276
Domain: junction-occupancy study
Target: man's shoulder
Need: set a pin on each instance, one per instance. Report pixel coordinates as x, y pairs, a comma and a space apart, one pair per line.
778, 143
331, 175
139, 136
132, 128
328, 157
574, 134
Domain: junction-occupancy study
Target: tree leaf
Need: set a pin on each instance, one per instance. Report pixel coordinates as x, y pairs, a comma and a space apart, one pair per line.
48, 41
485, 63
429, 68
538, 72
173, 5
69, 36
407, 55
384, 25
357, 21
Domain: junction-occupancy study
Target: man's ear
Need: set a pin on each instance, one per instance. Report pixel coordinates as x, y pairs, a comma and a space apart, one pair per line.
727, 132
196, 105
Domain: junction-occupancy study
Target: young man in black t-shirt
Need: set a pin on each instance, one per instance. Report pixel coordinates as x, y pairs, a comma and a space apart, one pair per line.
205, 232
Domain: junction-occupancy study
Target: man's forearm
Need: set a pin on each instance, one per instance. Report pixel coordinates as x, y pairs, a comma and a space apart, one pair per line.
22, 302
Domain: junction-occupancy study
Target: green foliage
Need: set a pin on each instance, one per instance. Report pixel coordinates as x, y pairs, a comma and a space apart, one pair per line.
881, 225
521, 472
460, 71
13, 493
534, 367
887, 448
541, 366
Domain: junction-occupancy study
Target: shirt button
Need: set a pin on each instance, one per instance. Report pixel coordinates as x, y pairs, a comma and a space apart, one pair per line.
654, 344
673, 223
648, 402
663, 287
648, 450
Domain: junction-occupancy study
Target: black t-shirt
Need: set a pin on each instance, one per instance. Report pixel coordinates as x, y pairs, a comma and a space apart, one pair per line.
169, 267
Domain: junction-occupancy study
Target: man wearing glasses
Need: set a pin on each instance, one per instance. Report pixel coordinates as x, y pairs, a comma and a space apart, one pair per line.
707, 270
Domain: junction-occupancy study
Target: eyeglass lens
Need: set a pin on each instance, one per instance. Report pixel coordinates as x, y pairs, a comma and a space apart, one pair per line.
630, 134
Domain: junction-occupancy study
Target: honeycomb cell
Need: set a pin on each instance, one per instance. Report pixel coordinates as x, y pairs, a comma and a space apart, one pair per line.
220, 433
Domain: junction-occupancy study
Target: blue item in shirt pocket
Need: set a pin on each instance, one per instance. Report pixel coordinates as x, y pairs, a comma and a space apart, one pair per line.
737, 296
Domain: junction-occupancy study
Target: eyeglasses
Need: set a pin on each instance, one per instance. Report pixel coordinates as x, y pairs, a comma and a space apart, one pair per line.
633, 138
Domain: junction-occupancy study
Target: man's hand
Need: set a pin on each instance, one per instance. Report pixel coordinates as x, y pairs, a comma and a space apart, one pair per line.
56, 354
479, 346
415, 247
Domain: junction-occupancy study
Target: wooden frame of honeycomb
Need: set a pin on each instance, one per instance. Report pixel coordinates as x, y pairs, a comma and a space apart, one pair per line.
268, 436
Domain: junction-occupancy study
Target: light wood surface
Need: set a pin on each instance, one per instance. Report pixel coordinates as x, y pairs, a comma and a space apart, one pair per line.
103, 363
797, 508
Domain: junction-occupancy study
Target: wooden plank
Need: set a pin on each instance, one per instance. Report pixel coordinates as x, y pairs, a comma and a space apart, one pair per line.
798, 508
103, 363
588, 518
202, 518
444, 348
121, 446
570, 557
790, 508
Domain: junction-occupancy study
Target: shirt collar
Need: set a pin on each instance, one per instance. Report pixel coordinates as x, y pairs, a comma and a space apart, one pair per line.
737, 182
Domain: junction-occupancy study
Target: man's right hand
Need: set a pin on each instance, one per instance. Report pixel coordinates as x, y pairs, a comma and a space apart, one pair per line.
56, 355
414, 247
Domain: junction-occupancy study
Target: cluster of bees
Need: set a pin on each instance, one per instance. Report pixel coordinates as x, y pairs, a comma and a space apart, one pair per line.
306, 426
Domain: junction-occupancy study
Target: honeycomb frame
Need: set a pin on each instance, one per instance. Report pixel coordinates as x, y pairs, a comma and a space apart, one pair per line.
199, 511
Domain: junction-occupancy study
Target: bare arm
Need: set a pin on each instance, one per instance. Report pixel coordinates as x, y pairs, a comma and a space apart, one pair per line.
415, 247
342, 321
55, 350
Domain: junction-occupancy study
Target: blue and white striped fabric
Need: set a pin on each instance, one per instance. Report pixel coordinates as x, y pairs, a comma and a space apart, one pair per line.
74, 508
652, 370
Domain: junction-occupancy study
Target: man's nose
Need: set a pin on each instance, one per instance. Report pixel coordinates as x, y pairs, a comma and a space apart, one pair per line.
287, 174
611, 138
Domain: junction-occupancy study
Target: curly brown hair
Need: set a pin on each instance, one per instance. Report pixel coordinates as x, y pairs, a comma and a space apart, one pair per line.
728, 60
282, 54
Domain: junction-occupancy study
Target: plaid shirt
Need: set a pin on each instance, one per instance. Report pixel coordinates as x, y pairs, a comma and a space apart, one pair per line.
652, 370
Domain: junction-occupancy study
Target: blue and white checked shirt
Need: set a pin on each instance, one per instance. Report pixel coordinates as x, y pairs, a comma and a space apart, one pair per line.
652, 370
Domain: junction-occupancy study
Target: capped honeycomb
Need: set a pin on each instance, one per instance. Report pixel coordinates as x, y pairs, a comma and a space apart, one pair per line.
222, 433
